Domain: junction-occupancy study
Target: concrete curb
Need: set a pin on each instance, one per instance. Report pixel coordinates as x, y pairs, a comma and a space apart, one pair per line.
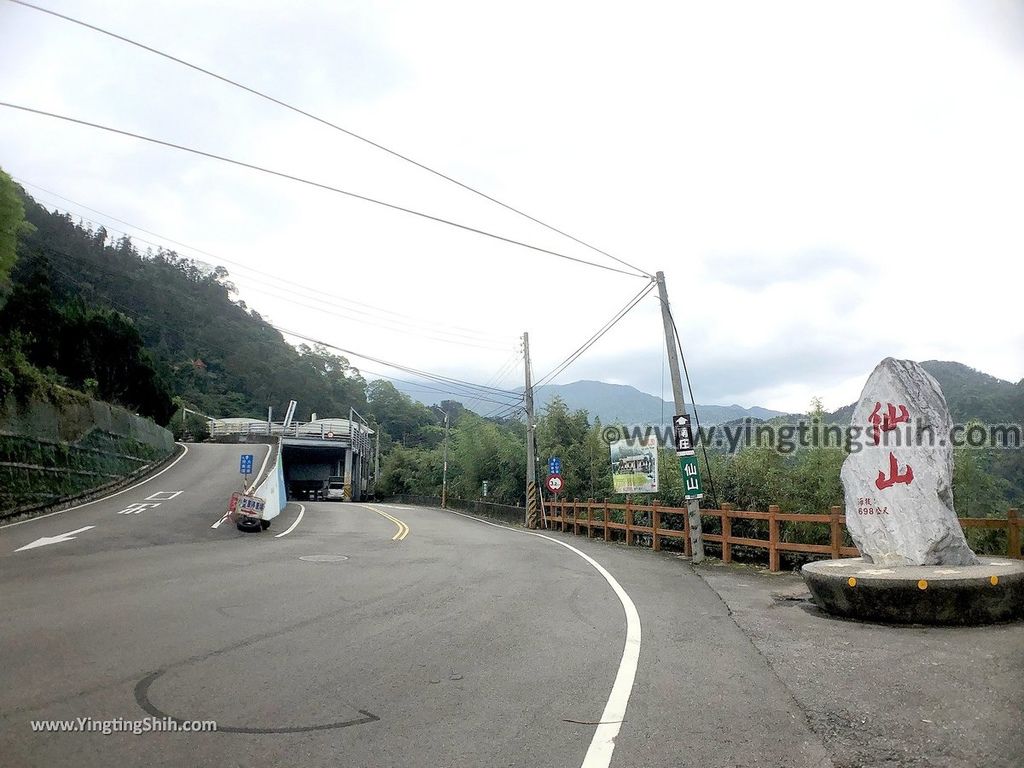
949, 595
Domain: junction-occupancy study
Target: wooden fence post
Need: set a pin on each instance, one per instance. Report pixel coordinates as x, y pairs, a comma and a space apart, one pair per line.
773, 538
575, 517
836, 525
727, 509
590, 518
1013, 533
655, 524
629, 522
606, 534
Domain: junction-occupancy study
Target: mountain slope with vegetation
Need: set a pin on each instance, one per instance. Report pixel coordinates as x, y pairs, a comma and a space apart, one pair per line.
207, 350
154, 332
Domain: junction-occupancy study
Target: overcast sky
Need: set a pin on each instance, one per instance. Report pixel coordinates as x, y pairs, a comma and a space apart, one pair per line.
824, 184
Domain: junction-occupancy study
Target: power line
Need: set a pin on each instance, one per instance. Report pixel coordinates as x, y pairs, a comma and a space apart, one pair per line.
438, 327
329, 124
318, 185
503, 371
574, 356
395, 326
463, 389
399, 367
429, 388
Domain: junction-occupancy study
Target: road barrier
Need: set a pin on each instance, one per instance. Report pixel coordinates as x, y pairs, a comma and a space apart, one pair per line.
655, 524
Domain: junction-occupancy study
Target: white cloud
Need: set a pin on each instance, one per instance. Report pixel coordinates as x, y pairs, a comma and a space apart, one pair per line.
823, 184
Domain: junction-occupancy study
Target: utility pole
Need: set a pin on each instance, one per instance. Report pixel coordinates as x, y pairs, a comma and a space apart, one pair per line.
444, 473
692, 505
531, 451
376, 464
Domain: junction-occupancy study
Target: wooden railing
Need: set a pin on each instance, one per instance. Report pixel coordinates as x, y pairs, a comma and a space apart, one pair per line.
599, 518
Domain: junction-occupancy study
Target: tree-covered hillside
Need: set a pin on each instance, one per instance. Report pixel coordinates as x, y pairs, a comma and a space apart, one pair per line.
215, 354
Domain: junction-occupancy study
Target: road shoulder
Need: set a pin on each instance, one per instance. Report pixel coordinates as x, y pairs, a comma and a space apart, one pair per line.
896, 697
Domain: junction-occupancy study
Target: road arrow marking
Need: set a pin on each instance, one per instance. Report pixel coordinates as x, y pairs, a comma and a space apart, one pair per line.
54, 539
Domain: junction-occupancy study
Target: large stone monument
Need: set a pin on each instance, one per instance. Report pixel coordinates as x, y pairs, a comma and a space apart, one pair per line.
899, 484
915, 564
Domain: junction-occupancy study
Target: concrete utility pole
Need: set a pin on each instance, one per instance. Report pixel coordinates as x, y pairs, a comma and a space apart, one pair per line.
444, 473
692, 505
376, 464
532, 520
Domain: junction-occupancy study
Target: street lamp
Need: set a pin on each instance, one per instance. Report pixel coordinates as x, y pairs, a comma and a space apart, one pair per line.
444, 476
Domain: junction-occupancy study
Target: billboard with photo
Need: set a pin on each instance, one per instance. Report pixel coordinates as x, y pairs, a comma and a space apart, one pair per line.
635, 465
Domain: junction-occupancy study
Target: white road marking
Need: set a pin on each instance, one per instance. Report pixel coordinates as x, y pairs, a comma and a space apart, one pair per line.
602, 745
141, 506
96, 501
54, 539
302, 511
164, 495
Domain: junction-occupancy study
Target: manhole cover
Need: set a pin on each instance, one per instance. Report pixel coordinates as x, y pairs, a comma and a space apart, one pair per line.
324, 558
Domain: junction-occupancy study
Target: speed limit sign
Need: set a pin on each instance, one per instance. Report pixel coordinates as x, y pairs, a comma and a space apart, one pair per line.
554, 483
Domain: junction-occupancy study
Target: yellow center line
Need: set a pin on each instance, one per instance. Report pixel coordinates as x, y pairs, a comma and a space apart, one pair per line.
403, 529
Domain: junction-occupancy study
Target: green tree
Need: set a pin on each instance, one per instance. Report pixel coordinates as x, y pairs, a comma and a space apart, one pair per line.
12, 224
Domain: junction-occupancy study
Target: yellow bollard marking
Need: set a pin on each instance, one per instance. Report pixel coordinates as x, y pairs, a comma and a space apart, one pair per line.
852, 581
922, 584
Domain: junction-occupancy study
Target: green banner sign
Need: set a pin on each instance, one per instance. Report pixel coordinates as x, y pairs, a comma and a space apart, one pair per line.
691, 477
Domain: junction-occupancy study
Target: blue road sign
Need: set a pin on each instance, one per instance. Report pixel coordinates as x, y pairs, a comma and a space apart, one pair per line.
554, 466
245, 467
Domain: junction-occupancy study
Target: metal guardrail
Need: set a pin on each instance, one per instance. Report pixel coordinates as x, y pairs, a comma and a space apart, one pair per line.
351, 432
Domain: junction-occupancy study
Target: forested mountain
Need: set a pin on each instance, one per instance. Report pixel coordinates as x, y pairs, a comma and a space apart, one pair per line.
970, 394
213, 353
154, 331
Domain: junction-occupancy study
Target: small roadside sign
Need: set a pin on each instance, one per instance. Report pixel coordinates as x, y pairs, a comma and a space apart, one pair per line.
683, 434
245, 465
252, 506
554, 483
554, 466
691, 477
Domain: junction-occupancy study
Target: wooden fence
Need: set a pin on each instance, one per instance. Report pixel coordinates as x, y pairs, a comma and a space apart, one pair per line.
602, 518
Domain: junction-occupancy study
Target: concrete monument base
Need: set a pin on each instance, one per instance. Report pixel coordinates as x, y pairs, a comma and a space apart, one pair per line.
919, 594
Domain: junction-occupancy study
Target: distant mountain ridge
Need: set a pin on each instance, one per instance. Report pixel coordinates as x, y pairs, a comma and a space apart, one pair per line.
971, 394
611, 403
624, 404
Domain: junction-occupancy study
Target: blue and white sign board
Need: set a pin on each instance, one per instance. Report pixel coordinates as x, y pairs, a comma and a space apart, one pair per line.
245, 466
554, 466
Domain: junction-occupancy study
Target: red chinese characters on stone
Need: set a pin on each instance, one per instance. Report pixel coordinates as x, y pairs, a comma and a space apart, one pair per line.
887, 422
906, 478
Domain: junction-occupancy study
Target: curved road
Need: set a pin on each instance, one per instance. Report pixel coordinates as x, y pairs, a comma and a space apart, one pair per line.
366, 635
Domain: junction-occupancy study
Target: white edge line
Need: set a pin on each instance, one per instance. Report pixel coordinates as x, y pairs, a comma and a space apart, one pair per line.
302, 511
104, 498
599, 755
253, 485
270, 450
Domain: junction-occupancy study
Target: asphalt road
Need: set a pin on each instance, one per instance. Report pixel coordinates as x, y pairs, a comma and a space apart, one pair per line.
368, 635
